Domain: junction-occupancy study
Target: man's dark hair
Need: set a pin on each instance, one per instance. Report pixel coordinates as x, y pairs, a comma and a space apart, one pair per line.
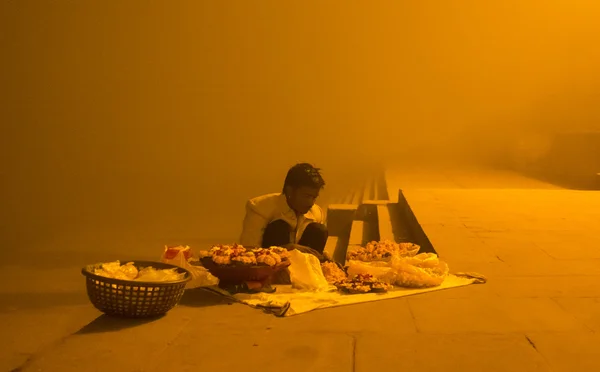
304, 174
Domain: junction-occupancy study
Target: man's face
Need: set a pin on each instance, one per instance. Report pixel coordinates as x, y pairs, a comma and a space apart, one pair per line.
301, 199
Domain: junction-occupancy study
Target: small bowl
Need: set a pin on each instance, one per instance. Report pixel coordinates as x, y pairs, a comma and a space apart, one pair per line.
239, 273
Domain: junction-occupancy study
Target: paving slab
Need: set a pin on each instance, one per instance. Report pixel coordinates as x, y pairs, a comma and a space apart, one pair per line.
22, 279
29, 332
468, 250
546, 286
443, 352
572, 249
410, 176
482, 291
372, 317
568, 351
546, 267
109, 343
491, 315
536, 243
125, 347
506, 241
587, 310
264, 350
538, 311
491, 270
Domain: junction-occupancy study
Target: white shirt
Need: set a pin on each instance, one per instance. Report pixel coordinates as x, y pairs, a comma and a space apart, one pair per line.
265, 209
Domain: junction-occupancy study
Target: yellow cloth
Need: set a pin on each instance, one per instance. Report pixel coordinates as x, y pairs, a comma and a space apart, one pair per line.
294, 302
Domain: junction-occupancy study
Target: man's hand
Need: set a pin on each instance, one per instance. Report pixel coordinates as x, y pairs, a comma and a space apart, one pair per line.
304, 249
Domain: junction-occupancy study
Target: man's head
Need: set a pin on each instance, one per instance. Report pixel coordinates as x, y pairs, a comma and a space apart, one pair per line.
302, 186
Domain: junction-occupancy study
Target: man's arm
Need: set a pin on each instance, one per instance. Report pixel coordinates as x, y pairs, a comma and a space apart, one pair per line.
253, 227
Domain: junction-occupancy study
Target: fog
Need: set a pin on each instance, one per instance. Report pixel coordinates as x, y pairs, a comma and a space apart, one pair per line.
143, 122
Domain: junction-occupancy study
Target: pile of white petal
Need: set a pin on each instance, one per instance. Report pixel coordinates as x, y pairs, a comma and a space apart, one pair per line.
128, 271
398, 264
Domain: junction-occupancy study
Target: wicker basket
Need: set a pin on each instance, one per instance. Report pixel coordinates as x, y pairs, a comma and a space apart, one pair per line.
134, 299
238, 274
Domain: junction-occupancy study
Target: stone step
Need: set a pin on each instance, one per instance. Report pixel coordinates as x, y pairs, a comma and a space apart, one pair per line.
363, 215
376, 202
386, 231
357, 233
339, 218
400, 223
357, 196
336, 248
344, 207
381, 187
369, 191
330, 246
417, 234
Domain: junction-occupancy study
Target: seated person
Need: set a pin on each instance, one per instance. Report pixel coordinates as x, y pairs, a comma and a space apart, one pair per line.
290, 219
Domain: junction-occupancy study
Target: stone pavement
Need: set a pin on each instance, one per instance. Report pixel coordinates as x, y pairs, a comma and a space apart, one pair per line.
537, 244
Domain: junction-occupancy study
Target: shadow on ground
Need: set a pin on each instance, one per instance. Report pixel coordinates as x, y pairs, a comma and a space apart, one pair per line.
25, 301
199, 297
192, 297
106, 323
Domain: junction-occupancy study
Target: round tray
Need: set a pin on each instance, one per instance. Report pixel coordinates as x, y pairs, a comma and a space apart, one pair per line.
238, 274
134, 299
373, 290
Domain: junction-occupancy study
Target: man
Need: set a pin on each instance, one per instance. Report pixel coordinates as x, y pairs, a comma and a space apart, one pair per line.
290, 219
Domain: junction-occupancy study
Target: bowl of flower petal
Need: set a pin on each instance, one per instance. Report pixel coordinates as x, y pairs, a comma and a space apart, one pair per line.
235, 264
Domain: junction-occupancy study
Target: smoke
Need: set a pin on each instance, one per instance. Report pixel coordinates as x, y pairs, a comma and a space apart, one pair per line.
164, 118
